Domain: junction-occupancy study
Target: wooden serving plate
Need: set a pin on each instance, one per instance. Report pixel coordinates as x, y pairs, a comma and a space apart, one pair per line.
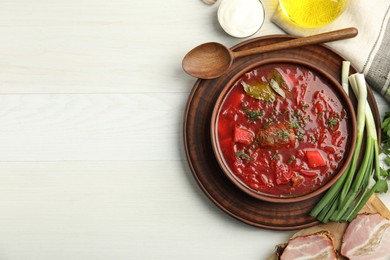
217, 187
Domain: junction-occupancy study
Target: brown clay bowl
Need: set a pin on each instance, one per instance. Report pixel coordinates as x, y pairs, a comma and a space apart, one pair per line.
349, 148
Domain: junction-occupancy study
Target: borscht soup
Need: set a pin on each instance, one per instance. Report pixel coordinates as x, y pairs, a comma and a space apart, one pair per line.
282, 130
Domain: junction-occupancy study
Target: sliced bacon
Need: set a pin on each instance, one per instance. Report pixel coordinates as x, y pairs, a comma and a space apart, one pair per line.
277, 135
315, 246
367, 237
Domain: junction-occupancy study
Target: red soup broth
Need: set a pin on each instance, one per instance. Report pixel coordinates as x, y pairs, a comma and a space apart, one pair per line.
282, 146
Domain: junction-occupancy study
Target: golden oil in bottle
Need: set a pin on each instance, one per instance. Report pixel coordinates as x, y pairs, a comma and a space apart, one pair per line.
312, 13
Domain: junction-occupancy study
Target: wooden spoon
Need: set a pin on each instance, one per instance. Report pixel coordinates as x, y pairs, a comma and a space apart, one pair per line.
211, 60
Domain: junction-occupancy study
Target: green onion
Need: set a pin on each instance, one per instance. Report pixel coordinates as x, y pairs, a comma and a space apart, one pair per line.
361, 93
349, 194
344, 76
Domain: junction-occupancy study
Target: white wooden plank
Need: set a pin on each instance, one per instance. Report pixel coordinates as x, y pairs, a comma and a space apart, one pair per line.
50, 127
117, 210
92, 46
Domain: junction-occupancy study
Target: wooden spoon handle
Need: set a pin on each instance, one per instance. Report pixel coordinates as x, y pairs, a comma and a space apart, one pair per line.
299, 42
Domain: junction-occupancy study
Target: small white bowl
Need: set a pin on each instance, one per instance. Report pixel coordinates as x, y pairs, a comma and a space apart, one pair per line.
241, 18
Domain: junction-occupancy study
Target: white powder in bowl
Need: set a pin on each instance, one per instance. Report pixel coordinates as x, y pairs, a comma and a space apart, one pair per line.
241, 18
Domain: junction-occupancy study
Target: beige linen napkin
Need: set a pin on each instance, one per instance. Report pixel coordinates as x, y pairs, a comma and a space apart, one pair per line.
370, 50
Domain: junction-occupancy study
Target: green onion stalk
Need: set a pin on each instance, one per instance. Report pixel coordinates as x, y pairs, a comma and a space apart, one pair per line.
348, 195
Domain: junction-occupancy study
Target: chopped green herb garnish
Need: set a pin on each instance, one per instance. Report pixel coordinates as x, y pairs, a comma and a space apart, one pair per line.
275, 156
241, 154
282, 135
294, 124
291, 159
254, 114
332, 122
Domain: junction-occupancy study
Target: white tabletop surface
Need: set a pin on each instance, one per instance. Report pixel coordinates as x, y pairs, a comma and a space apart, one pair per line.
92, 164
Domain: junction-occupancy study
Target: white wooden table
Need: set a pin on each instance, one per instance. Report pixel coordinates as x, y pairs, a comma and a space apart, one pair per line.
92, 164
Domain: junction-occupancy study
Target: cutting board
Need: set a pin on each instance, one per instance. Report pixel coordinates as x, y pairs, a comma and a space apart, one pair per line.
373, 205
